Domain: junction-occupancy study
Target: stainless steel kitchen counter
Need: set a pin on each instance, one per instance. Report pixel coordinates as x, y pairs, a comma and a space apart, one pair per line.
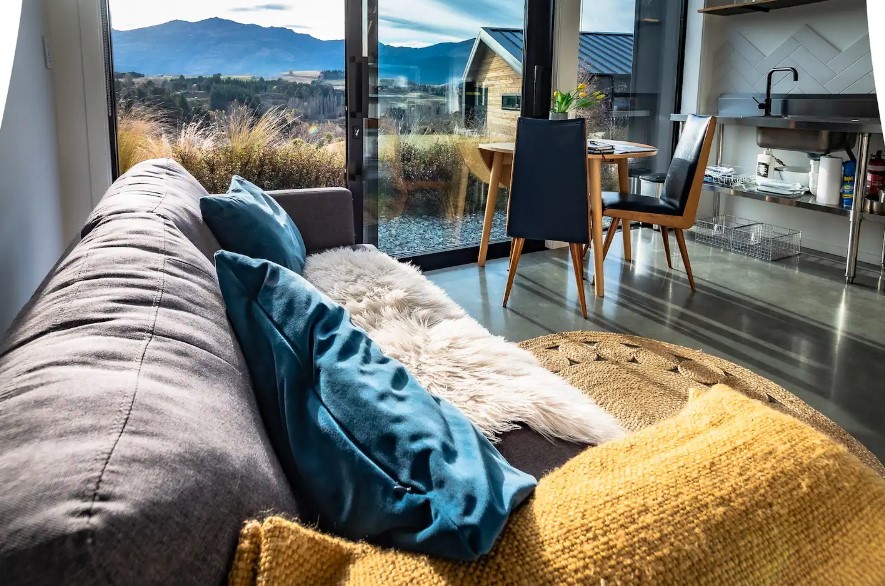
810, 113
798, 122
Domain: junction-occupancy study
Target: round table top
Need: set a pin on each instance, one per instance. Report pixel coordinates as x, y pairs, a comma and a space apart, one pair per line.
508, 147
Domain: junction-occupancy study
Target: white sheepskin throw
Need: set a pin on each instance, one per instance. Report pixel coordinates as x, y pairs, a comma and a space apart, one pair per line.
494, 383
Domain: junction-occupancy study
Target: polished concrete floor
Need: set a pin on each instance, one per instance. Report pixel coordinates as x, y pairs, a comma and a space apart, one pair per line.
793, 321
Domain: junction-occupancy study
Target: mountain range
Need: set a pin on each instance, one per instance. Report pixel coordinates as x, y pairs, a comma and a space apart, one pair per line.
223, 46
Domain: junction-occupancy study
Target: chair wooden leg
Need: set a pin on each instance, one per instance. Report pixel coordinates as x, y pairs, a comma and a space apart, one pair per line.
578, 264
628, 240
665, 235
680, 238
624, 187
613, 227
516, 252
586, 247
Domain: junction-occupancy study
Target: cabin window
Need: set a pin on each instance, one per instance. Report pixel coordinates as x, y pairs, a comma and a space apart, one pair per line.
511, 102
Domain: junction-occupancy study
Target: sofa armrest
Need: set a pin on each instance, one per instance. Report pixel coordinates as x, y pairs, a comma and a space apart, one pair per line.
324, 216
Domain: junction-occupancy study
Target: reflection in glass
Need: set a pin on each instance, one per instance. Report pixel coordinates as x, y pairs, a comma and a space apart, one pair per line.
452, 88
635, 62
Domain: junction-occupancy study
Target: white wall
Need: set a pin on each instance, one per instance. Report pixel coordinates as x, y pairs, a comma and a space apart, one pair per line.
31, 238
833, 33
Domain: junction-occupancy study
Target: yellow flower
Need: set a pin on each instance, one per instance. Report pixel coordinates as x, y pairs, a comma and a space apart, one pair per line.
555, 93
583, 94
582, 86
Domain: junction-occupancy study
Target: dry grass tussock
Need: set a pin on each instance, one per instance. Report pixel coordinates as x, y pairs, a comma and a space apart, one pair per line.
261, 148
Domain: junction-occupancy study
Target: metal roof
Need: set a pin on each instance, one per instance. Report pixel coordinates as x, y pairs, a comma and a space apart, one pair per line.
599, 53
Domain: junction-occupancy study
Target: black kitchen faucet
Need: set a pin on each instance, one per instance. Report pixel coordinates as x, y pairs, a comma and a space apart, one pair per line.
766, 105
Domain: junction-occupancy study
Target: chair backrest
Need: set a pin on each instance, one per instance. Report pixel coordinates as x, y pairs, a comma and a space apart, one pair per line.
685, 178
548, 187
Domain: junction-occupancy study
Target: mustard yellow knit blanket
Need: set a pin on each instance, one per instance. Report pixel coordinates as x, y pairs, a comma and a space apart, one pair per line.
727, 492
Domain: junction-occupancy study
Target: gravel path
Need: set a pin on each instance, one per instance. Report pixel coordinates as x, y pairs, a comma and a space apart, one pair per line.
412, 236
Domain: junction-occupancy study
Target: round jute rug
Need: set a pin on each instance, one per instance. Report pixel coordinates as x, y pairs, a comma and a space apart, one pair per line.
642, 381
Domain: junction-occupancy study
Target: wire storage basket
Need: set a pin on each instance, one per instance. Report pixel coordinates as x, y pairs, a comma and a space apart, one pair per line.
755, 239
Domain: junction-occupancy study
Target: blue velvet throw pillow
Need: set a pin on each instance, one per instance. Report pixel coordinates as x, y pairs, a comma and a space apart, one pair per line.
363, 444
250, 222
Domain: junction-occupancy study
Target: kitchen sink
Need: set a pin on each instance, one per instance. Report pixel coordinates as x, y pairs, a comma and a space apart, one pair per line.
791, 133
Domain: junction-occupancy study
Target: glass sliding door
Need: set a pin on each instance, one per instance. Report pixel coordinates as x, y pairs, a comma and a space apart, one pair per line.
443, 78
382, 96
630, 50
229, 88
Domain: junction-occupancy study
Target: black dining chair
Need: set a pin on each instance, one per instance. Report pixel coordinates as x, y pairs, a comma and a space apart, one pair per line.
548, 191
677, 207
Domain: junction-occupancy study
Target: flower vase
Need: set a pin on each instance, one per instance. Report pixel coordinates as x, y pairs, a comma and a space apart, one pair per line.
558, 115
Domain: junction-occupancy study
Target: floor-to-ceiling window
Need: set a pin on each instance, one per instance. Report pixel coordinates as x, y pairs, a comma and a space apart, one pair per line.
270, 92
260, 91
230, 87
631, 51
449, 78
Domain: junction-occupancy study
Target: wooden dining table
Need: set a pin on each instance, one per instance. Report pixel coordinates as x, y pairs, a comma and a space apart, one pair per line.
498, 157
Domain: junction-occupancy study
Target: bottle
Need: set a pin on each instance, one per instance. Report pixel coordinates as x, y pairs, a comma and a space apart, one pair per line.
813, 173
875, 176
764, 164
849, 171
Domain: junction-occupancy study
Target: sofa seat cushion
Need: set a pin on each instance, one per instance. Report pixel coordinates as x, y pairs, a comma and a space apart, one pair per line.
375, 454
132, 447
248, 221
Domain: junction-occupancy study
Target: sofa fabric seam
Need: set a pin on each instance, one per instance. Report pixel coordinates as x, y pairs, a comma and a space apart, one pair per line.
127, 408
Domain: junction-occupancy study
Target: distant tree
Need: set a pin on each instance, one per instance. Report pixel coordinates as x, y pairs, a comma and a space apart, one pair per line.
222, 95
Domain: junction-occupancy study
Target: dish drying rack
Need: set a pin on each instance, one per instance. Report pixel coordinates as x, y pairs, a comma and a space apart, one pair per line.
744, 178
728, 176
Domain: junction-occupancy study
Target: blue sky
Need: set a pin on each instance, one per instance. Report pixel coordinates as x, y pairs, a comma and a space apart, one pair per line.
403, 22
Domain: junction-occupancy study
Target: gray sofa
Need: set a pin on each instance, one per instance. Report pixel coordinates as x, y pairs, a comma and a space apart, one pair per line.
131, 448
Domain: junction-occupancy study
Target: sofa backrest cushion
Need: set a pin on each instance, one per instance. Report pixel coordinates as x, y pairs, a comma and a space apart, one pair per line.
132, 448
248, 221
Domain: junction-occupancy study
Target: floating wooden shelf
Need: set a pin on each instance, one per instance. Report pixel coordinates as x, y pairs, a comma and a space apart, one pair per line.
753, 7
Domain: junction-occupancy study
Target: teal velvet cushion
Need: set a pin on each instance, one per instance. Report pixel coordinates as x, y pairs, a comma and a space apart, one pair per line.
249, 221
364, 445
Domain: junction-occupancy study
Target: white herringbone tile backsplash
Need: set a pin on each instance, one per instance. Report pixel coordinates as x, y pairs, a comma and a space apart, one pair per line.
739, 66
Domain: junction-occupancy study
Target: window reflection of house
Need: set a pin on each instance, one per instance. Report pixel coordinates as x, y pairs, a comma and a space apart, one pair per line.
511, 102
494, 74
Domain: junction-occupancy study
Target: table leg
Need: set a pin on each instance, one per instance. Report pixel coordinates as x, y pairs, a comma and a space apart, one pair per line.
595, 166
856, 217
491, 201
624, 187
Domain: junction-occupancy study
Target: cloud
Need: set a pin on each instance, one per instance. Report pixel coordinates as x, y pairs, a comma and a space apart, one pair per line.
403, 22
298, 27
261, 8
416, 26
